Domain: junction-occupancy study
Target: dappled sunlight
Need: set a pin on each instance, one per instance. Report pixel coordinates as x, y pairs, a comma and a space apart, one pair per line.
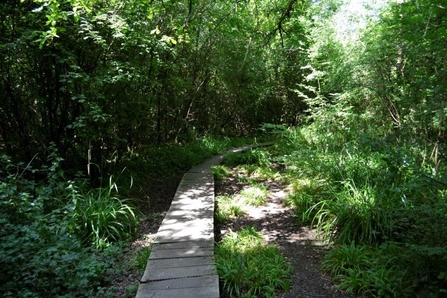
274, 220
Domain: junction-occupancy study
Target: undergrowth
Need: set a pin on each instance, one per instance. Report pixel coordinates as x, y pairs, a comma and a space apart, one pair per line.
58, 239
61, 237
380, 206
248, 267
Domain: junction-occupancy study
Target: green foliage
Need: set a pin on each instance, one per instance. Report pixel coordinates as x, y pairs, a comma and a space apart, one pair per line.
112, 77
41, 247
45, 259
157, 163
256, 157
380, 207
390, 270
305, 194
220, 172
110, 83
228, 207
348, 256
254, 195
142, 257
353, 214
100, 217
250, 268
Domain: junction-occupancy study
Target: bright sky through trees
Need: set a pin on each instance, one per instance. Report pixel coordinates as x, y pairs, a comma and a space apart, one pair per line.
354, 15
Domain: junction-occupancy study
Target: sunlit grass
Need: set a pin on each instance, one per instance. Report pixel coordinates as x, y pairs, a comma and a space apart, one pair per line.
228, 208
305, 193
254, 195
102, 217
249, 267
220, 172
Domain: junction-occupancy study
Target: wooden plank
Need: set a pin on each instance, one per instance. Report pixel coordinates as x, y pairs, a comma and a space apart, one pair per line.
187, 236
186, 283
196, 178
184, 244
193, 191
180, 226
179, 262
186, 203
193, 198
178, 211
181, 253
146, 291
207, 164
179, 272
188, 213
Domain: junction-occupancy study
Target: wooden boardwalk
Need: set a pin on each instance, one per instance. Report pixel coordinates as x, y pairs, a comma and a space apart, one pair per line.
182, 263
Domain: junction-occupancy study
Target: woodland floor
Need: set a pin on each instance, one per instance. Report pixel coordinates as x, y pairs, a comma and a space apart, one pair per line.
276, 222
279, 227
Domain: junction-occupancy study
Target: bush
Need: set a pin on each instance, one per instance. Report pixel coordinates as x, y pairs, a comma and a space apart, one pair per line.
41, 249
43, 258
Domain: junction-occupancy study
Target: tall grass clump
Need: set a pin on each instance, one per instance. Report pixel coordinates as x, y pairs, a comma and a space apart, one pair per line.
352, 214
305, 193
361, 269
389, 270
101, 216
248, 267
254, 195
220, 172
227, 208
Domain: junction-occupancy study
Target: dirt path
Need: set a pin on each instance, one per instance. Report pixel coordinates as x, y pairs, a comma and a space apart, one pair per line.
298, 244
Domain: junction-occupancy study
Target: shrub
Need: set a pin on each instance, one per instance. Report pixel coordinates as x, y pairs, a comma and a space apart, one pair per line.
43, 258
41, 254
